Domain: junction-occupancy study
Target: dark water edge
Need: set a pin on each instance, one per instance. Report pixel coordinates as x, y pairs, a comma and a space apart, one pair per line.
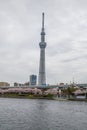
79, 99
35, 114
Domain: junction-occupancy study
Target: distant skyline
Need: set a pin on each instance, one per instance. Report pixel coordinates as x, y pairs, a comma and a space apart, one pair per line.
66, 37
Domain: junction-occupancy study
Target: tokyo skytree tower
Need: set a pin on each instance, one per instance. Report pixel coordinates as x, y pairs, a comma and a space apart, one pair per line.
42, 45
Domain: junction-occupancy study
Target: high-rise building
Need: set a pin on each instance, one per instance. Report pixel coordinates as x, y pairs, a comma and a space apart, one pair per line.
33, 80
42, 44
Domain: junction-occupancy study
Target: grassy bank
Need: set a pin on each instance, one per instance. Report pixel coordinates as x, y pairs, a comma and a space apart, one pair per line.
32, 96
28, 96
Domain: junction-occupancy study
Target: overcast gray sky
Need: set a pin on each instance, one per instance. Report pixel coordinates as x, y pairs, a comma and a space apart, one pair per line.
66, 37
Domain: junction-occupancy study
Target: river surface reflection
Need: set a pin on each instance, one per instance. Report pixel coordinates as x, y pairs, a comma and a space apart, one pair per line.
34, 114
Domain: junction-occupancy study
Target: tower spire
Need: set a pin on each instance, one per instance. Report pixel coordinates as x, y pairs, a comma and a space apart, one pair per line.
42, 21
42, 30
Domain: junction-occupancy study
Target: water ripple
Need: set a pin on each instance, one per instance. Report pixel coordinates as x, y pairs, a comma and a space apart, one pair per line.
29, 114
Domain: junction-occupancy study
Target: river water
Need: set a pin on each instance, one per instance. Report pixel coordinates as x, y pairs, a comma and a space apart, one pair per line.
34, 114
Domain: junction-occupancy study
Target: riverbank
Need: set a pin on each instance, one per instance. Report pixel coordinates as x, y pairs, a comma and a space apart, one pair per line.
48, 97
27, 96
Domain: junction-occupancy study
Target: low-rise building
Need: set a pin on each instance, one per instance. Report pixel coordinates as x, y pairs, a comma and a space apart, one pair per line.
4, 84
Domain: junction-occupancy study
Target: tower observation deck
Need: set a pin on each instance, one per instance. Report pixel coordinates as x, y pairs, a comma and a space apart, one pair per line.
42, 45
